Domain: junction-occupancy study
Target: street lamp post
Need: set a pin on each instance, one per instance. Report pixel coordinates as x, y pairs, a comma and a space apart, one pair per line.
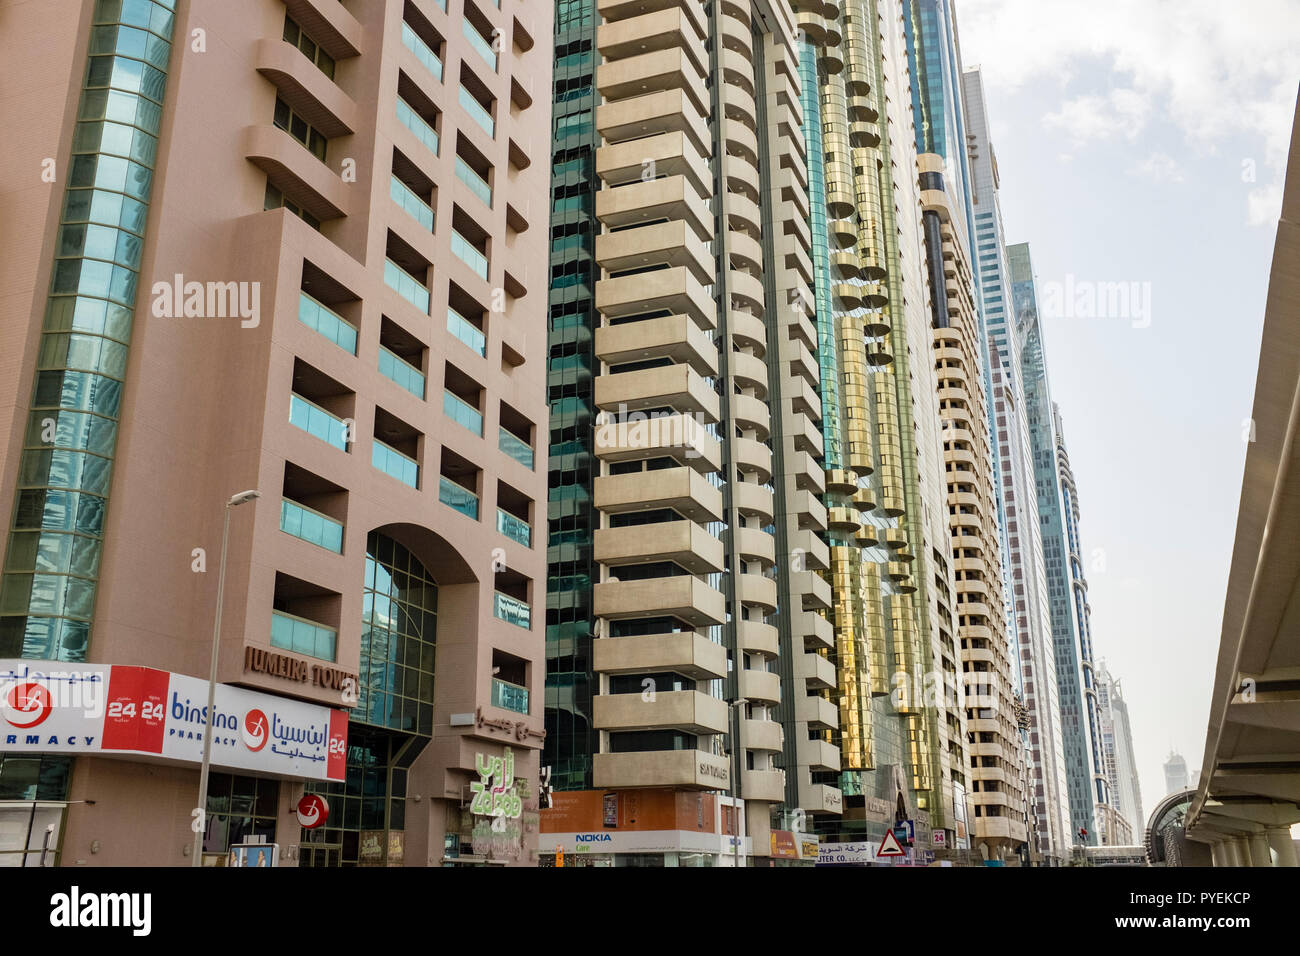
196, 855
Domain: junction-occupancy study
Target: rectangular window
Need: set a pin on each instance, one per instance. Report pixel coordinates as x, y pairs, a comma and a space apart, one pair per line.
275, 199
419, 210
399, 370
512, 610
301, 636
515, 447
515, 528
312, 526
319, 317
423, 52
476, 110
294, 34
314, 420
297, 127
462, 413
458, 497
406, 285
509, 696
394, 464
465, 330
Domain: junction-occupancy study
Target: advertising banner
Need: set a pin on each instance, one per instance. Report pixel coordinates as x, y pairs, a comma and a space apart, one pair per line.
57, 707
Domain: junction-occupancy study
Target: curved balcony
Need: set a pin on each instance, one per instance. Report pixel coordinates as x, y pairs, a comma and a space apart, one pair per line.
746, 249
736, 68
868, 536
308, 91
299, 174
754, 544
842, 519
762, 735
751, 413
746, 290
846, 264
750, 372
740, 141
753, 499
752, 458
841, 481
760, 686
735, 36
755, 637
864, 499
747, 331
739, 208
849, 296
831, 55
754, 590
895, 538
843, 230
739, 105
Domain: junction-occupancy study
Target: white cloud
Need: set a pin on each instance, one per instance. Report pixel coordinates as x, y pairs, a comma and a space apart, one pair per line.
1090, 117
1264, 205
1160, 167
1219, 72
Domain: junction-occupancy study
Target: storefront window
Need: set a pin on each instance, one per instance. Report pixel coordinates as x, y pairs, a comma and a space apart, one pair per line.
239, 808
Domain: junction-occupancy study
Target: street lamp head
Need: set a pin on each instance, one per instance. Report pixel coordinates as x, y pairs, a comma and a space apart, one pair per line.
243, 497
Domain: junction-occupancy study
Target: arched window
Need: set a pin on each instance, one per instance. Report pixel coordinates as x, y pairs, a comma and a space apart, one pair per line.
399, 623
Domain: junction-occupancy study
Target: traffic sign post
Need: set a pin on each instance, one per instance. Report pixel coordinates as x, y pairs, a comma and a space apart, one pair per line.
890, 846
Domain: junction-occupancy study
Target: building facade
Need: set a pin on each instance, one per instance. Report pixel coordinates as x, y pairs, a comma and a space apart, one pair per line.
1038, 652
318, 286
1176, 777
685, 646
1117, 743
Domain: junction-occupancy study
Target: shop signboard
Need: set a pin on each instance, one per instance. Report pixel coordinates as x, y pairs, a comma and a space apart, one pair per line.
59, 707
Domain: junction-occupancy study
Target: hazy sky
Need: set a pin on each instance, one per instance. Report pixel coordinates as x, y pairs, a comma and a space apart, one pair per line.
1144, 141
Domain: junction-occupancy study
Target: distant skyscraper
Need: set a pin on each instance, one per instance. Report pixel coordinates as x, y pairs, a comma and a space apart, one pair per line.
1117, 749
1039, 657
1176, 773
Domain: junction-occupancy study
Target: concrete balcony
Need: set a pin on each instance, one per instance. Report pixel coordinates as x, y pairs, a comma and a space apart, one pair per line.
308, 91
658, 71
679, 437
755, 637
753, 590
816, 554
805, 472
818, 755
687, 769
683, 489
750, 371
762, 735
670, 28
672, 243
640, 202
766, 785
685, 652
686, 710
660, 112
755, 544
752, 458
760, 686
670, 290
815, 630
747, 331
683, 542
818, 671
676, 337
752, 499
815, 591
612, 11
816, 712
678, 387
668, 154
751, 414
746, 291
684, 597
819, 798
808, 509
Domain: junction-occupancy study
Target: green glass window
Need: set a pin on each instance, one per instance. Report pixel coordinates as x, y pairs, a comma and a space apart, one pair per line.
466, 331
423, 52
469, 254
303, 522
301, 636
512, 610
399, 370
406, 198
295, 35
412, 120
327, 322
514, 528
477, 111
515, 447
313, 419
457, 496
275, 199
394, 464
480, 43
462, 413
406, 285
509, 696
297, 127
398, 633
477, 184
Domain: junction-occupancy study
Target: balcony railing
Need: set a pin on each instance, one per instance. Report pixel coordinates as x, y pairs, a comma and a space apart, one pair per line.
476, 109
423, 52
462, 413
509, 696
515, 447
413, 121
477, 41
394, 464
476, 183
469, 254
311, 526
512, 610
459, 497
301, 636
314, 420
515, 528
335, 328
405, 197
406, 285
466, 331
399, 370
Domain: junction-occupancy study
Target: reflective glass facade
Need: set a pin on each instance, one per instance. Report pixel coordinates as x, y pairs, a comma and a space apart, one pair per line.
47, 594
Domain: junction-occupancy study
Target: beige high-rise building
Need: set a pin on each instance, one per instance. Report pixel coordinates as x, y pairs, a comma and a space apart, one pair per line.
293, 247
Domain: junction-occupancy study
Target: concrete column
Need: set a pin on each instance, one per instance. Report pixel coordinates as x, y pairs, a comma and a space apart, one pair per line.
1279, 839
1230, 852
1259, 855
1216, 853
1242, 846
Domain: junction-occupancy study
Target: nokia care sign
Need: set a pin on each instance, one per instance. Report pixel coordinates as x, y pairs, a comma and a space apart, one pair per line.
96, 708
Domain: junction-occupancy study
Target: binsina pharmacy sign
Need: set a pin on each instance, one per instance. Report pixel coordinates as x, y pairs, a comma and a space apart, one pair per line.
58, 707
